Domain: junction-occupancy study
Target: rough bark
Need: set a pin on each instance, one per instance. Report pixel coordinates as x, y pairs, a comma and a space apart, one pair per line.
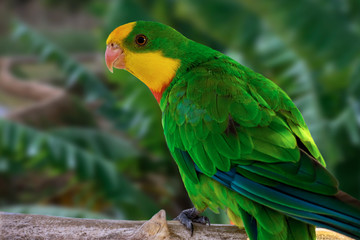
27, 226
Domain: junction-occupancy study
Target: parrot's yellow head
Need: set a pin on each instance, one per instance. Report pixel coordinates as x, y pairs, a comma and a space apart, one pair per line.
150, 51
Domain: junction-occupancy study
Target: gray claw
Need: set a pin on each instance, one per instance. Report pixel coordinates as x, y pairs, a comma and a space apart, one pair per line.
188, 216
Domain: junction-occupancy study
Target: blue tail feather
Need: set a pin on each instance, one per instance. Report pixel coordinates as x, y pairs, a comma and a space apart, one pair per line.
299, 204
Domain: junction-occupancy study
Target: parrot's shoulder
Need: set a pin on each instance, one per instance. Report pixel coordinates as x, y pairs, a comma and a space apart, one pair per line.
220, 86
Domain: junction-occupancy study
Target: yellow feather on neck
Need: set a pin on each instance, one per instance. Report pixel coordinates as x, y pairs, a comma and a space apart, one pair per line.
152, 68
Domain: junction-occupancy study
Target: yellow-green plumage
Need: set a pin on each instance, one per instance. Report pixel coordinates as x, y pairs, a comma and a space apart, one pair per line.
241, 144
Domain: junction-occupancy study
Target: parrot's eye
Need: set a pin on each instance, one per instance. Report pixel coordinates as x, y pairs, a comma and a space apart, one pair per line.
140, 39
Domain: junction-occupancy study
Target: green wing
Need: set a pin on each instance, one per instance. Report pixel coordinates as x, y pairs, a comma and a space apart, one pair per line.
224, 114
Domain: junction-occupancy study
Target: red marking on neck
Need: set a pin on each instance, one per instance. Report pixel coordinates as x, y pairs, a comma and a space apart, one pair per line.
158, 94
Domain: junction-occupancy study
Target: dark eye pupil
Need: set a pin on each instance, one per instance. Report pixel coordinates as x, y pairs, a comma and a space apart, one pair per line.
140, 39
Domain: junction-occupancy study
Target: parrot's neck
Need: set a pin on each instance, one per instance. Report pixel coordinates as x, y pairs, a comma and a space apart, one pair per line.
154, 69
158, 94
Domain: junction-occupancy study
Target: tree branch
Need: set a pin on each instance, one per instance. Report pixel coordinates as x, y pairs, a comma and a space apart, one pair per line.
27, 226
49, 102
25, 89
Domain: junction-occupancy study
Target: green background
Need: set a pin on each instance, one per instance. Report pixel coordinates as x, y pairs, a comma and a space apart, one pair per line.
105, 155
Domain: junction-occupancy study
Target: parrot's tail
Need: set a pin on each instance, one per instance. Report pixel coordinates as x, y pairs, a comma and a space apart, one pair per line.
280, 227
339, 212
342, 214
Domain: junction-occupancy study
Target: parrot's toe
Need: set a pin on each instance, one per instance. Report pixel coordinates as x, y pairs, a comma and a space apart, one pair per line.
202, 219
189, 216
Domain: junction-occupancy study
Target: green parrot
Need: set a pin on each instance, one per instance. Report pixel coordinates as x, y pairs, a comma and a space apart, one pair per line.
239, 141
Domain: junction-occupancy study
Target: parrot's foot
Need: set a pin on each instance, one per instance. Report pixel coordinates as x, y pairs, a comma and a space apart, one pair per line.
189, 216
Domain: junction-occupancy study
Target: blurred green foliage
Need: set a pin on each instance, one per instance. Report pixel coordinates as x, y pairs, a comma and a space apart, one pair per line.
122, 169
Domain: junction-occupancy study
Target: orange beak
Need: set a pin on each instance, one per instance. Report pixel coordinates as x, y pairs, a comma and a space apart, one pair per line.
114, 57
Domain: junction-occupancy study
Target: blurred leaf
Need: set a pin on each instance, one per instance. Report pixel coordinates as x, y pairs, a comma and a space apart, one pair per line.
17, 144
100, 143
310, 29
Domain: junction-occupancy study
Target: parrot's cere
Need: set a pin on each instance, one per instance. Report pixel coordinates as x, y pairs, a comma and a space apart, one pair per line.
239, 141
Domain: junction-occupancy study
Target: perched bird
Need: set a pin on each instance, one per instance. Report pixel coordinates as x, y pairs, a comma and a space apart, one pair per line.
239, 141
